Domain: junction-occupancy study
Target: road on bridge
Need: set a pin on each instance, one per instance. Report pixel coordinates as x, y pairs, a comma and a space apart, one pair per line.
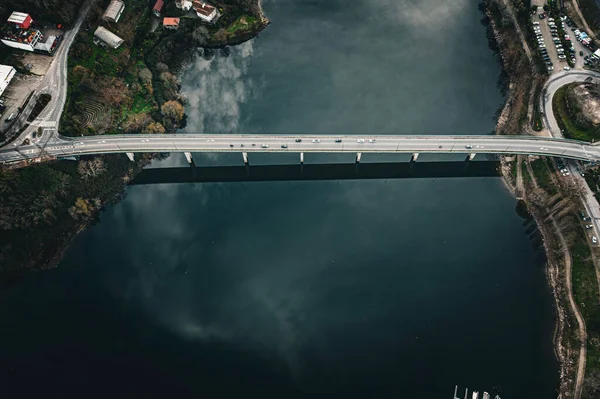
65, 147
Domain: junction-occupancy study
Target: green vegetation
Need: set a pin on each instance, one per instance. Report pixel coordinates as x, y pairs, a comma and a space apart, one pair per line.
243, 23
586, 294
525, 173
523, 12
43, 206
129, 89
542, 175
517, 70
567, 115
536, 122
113, 90
584, 276
589, 8
40, 104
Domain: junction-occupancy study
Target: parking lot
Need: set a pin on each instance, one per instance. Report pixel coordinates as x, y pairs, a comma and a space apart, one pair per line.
15, 95
559, 41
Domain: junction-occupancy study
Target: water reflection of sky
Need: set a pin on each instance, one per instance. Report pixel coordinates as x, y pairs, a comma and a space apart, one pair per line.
295, 271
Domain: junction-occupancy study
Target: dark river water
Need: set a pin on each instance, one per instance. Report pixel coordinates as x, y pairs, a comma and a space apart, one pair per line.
349, 289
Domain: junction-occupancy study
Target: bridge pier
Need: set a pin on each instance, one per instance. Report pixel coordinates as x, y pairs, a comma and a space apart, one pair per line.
245, 156
358, 156
130, 156
471, 156
414, 157
188, 156
301, 157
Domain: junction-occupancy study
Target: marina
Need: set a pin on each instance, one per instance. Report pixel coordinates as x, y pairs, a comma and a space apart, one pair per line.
474, 395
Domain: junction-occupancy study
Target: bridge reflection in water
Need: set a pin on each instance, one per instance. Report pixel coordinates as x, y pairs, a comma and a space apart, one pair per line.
391, 170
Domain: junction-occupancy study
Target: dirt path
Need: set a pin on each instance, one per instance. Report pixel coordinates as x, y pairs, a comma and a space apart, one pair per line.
575, 310
520, 189
569, 285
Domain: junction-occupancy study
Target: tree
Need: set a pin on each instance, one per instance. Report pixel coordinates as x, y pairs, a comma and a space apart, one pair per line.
162, 67
91, 168
154, 128
84, 208
169, 79
145, 75
173, 109
201, 35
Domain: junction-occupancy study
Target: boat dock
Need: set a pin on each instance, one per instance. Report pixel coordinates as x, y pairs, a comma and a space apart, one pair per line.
474, 395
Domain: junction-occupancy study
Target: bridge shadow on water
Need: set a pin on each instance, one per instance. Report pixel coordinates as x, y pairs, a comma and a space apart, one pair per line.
299, 172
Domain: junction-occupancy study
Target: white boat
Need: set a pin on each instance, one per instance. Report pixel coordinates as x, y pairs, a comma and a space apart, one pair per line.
486, 395
475, 395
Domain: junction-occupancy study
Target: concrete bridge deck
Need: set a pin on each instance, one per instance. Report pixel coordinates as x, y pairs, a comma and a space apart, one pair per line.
189, 143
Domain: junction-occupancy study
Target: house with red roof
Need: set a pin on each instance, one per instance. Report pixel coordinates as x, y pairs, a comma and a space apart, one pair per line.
158, 8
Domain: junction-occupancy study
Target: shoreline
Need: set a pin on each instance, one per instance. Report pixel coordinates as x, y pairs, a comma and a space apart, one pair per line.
554, 279
55, 235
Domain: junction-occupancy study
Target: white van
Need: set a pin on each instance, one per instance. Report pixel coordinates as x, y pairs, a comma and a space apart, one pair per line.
11, 117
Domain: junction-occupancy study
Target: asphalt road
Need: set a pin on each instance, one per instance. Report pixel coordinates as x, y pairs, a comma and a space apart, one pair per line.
64, 147
554, 83
54, 83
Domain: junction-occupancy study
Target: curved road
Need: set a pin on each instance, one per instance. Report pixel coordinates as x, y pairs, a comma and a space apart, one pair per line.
552, 85
54, 83
589, 200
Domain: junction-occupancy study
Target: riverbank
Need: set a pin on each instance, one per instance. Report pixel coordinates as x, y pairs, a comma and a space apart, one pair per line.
132, 89
546, 200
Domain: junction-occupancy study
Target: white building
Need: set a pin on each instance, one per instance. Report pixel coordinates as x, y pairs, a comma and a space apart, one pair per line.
6, 75
185, 5
113, 11
205, 11
22, 39
47, 45
108, 37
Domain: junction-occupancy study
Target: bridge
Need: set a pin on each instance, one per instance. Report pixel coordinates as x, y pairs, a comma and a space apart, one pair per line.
64, 147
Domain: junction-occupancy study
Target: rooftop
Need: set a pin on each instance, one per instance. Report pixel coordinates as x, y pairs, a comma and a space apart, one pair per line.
203, 8
171, 22
114, 9
159, 5
17, 17
108, 37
